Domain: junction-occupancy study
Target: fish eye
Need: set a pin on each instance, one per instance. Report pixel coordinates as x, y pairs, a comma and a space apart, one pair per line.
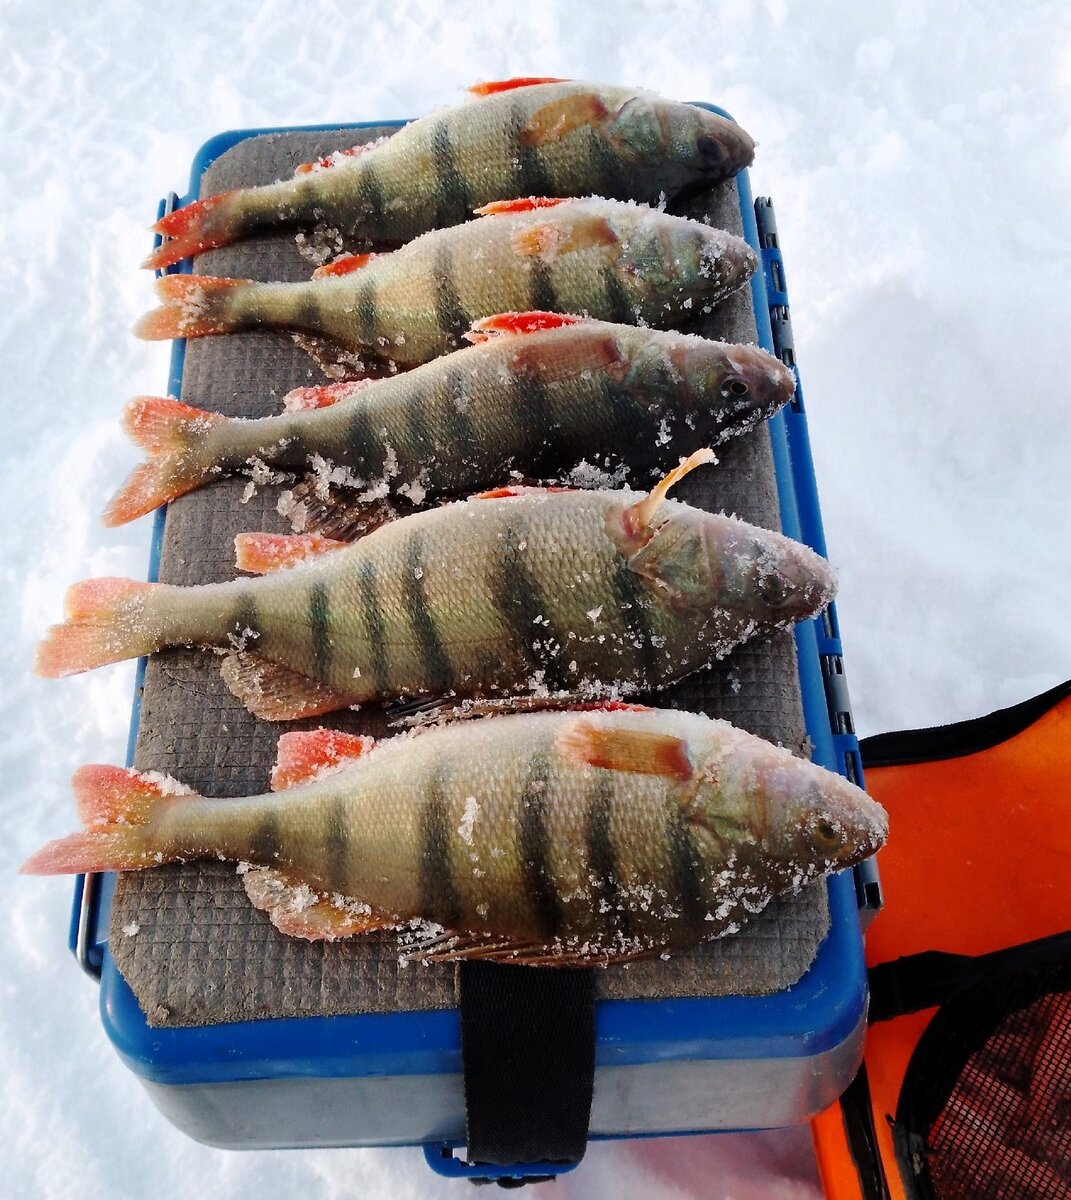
825, 835
773, 589
710, 150
734, 386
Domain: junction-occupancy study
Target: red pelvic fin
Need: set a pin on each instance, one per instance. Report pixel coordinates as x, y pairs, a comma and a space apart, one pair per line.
631, 750
522, 204
493, 87
324, 395
519, 323
263, 553
194, 306
202, 225
345, 264
305, 755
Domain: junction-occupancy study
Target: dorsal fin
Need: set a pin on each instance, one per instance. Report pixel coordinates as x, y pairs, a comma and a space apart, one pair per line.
494, 86
520, 489
345, 264
519, 323
521, 204
638, 516
304, 755
300, 911
265, 553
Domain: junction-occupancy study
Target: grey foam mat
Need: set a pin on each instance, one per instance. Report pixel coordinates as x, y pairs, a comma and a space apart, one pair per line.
201, 953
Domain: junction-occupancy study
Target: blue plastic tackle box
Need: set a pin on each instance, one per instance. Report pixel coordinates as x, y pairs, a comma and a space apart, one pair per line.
662, 1066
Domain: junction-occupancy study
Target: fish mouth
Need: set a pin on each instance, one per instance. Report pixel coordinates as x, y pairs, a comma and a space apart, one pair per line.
725, 151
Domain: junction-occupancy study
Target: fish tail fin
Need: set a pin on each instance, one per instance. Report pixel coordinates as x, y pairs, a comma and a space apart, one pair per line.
116, 806
202, 225
195, 306
106, 623
174, 434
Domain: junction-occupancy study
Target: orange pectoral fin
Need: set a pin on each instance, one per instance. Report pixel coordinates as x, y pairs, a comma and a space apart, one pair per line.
551, 239
631, 750
561, 117
493, 87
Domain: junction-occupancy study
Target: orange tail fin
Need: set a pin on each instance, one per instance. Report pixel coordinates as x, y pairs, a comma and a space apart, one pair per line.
202, 225
174, 435
116, 807
194, 306
106, 623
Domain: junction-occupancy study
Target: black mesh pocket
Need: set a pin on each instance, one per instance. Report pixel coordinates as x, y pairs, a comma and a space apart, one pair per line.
985, 1108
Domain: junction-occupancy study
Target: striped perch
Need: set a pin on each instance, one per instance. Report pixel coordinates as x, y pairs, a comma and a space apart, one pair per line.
540, 394
609, 260
526, 137
517, 591
549, 838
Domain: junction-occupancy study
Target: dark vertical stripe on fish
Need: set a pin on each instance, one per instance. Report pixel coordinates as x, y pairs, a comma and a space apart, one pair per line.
306, 314
631, 597
460, 432
615, 184
687, 873
264, 840
521, 603
548, 445
337, 846
532, 178
365, 309
540, 288
535, 850
363, 444
320, 628
619, 307
611, 909
439, 898
452, 318
453, 203
370, 197
245, 619
373, 622
438, 669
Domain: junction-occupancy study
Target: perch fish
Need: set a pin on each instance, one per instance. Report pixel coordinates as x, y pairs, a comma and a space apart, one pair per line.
564, 838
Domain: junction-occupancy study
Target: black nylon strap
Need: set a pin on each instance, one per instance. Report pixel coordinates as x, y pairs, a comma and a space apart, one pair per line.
528, 1050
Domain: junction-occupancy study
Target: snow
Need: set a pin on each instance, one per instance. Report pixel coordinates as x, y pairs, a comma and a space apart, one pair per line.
920, 160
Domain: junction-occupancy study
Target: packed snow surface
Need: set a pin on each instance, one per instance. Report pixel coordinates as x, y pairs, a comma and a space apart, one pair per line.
920, 159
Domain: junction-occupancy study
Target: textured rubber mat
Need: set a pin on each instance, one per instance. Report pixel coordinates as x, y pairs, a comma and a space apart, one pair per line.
201, 953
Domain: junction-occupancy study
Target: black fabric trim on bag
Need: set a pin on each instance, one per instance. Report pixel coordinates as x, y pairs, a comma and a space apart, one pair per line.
965, 737
528, 1050
857, 1112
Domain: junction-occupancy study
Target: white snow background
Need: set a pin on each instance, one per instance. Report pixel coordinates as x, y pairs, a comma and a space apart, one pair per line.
920, 159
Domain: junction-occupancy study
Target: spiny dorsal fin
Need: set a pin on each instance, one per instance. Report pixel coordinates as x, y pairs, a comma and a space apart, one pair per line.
334, 511
498, 208
519, 324
305, 755
275, 693
634, 750
494, 86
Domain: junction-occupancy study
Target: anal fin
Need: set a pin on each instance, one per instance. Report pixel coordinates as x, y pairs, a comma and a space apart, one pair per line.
300, 911
276, 693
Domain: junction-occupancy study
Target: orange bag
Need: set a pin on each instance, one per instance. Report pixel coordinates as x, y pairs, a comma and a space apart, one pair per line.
965, 1088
